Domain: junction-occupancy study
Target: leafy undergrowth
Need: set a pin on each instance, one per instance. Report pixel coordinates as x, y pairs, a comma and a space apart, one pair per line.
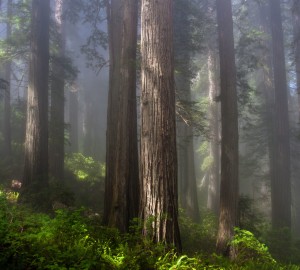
76, 240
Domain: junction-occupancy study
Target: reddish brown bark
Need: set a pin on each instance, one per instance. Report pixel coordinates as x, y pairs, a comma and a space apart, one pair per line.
36, 142
159, 206
229, 188
57, 124
281, 183
122, 178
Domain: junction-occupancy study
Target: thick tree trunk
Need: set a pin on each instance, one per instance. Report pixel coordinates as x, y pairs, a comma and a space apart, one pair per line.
36, 141
159, 205
7, 107
281, 185
121, 202
56, 143
213, 197
229, 188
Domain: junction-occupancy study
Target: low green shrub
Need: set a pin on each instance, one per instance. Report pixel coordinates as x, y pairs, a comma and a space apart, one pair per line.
72, 239
248, 248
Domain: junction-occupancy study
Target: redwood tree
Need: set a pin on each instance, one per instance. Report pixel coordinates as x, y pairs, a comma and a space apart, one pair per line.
122, 177
56, 143
228, 217
35, 176
296, 27
158, 170
266, 83
7, 106
213, 195
281, 183
73, 116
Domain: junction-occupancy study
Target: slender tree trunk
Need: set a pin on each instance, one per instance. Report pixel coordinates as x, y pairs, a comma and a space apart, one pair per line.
281, 185
36, 141
7, 107
213, 199
296, 184
57, 129
88, 127
159, 205
229, 189
122, 177
296, 28
73, 117
267, 85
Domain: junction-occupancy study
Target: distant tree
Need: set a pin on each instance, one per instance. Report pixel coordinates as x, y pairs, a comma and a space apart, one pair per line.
73, 117
296, 43
35, 176
229, 188
122, 177
7, 102
296, 47
56, 132
92, 15
265, 84
213, 196
281, 183
159, 206
184, 48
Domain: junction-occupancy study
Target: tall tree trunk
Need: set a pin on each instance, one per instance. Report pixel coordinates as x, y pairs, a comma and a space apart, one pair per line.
296, 28
267, 85
35, 176
229, 188
122, 177
281, 185
296, 184
213, 198
73, 117
56, 142
7, 107
159, 204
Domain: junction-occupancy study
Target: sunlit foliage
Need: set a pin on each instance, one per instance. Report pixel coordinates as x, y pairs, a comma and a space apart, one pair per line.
85, 168
75, 239
85, 178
